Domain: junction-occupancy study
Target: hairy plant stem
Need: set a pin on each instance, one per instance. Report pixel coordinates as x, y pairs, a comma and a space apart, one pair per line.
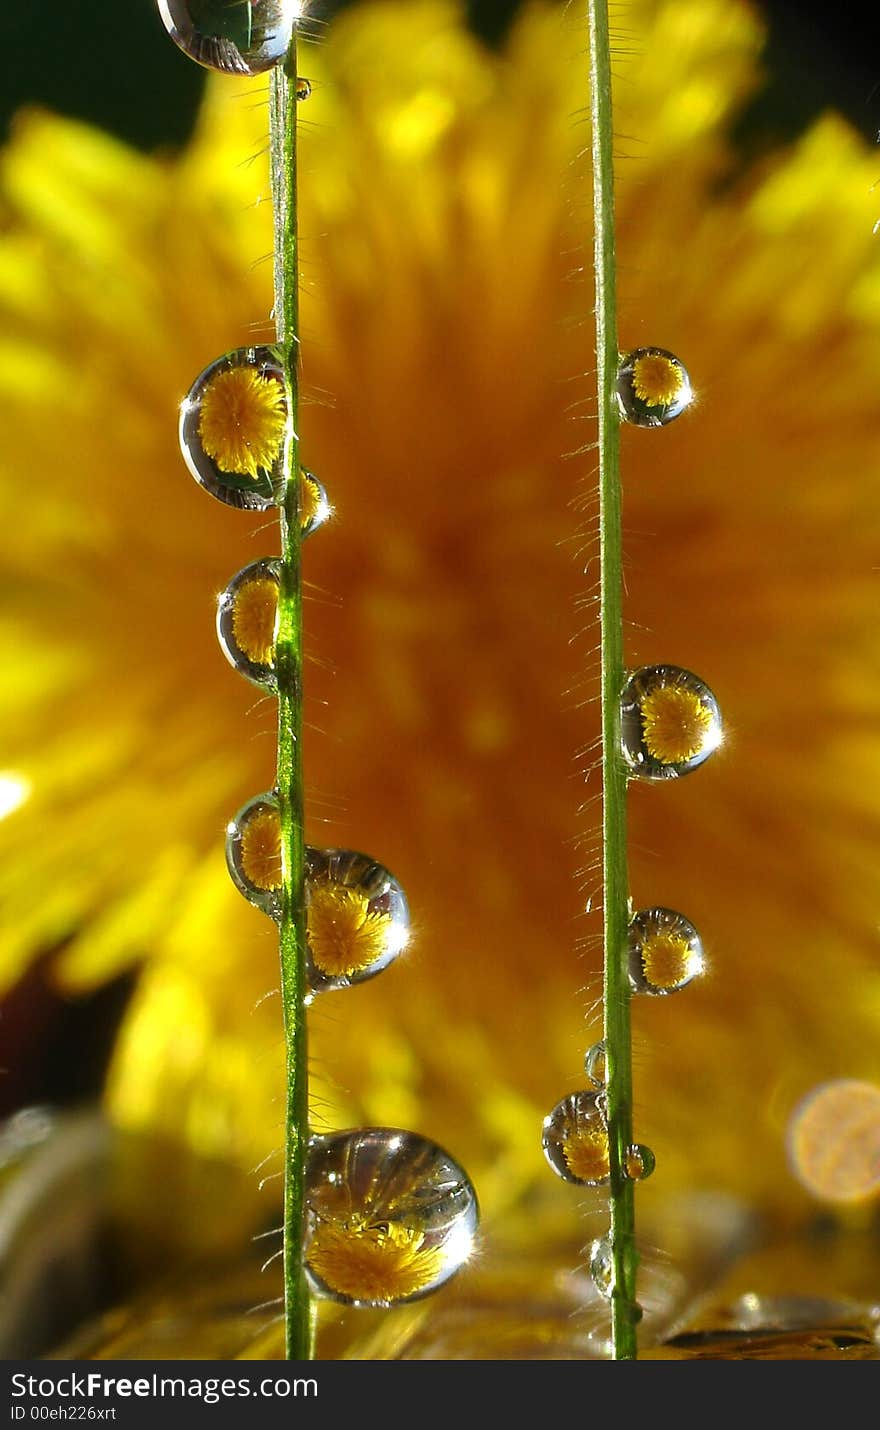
618, 1048
298, 1317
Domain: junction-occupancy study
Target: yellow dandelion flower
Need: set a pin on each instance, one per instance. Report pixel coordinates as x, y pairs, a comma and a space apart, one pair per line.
436, 226
242, 420
345, 935
586, 1154
310, 500
261, 849
667, 959
656, 379
373, 1263
675, 723
255, 617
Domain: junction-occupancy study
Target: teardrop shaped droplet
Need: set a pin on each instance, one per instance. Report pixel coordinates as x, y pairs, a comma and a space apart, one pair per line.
602, 1266
670, 722
232, 428
314, 503
665, 952
357, 918
653, 387
390, 1217
303, 88
594, 1065
247, 620
575, 1139
640, 1162
233, 36
253, 853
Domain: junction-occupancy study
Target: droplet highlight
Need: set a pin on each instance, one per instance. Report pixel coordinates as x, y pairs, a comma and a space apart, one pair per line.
653, 387
575, 1139
253, 853
232, 36
670, 722
639, 1162
665, 952
390, 1217
233, 423
247, 621
357, 918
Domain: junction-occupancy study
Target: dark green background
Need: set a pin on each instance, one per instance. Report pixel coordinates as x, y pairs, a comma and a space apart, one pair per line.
110, 61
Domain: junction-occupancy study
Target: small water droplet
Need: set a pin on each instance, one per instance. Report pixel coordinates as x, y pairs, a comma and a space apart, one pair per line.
357, 918
594, 1065
314, 503
670, 722
303, 87
653, 387
665, 952
233, 36
640, 1162
247, 618
253, 853
575, 1139
233, 423
602, 1266
390, 1217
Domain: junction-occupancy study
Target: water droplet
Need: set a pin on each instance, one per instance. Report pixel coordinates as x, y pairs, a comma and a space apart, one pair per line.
247, 617
390, 1217
670, 722
594, 1065
234, 36
653, 387
602, 1266
575, 1139
303, 87
232, 428
665, 952
314, 504
357, 918
640, 1162
253, 853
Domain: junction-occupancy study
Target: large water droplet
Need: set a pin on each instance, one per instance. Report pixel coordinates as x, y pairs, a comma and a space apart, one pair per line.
234, 36
247, 619
390, 1217
303, 88
357, 918
665, 952
670, 722
653, 387
575, 1139
253, 853
233, 423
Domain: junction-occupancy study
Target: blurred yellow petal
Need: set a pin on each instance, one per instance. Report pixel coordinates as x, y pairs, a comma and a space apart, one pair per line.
445, 345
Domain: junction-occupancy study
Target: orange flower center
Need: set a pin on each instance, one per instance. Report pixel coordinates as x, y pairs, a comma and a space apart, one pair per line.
344, 936
667, 960
254, 619
656, 380
675, 723
261, 850
586, 1153
373, 1263
242, 420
